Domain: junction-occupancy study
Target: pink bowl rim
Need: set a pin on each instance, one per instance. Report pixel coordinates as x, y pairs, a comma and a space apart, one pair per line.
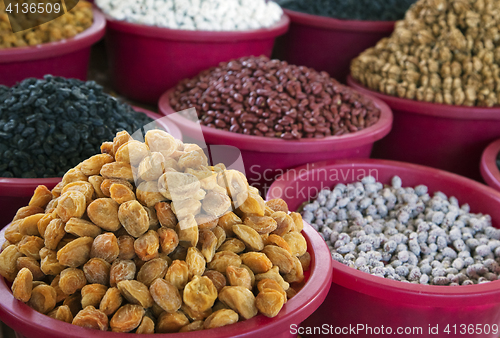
430, 109
339, 24
52, 49
489, 168
425, 295
276, 145
163, 33
297, 309
34, 182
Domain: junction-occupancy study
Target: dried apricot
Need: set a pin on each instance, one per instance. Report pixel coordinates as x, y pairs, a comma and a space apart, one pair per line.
23, 285
121, 270
96, 181
217, 279
29, 225
200, 293
168, 240
91, 318
165, 215
273, 274
227, 221
76, 252
297, 221
71, 204
119, 170
81, 186
263, 225
279, 257
132, 152
30, 246
239, 277
191, 327
296, 242
171, 322
178, 274
151, 167
147, 326
148, 194
97, 271
126, 245
305, 260
284, 221
269, 302
221, 318
258, 262
223, 259
166, 295
134, 218
92, 294
43, 298
151, 270
41, 197
121, 193
82, 228
296, 275
105, 246
249, 236
127, 318
103, 212
271, 284
216, 204
135, 293
277, 205
62, 313
49, 263
72, 280
8, 259
208, 242
31, 264
111, 301
92, 166
146, 247
240, 299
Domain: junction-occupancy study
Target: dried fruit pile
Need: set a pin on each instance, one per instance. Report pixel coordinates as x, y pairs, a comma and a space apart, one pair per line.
444, 51
146, 237
262, 97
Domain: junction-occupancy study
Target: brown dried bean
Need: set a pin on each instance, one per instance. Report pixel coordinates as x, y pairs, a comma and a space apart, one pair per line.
72, 280
135, 292
178, 274
240, 299
30, 246
28, 225
121, 193
166, 295
31, 264
297, 221
147, 326
92, 294
151, 270
234, 245
71, 204
194, 326
223, 259
269, 302
23, 285
103, 212
249, 236
132, 152
273, 274
208, 242
239, 277
221, 318
43, 298
277, 204
97, 271
171, 322
258, 262
127, 318
111, 301
92, 166
41, 197
82, 228
49, 263
217, 279
227, 221
91, 318
148, 194
121, 270
296, 242
263, 225
62, 313
119, 170
76, 252
284, 221
27, 211
146, 247
134, 218
8, 262
200, 293
279, 257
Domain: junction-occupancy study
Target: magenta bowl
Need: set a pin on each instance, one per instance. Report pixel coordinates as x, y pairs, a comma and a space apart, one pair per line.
357, 298
67, 58
17, 192
489, 168
145, 61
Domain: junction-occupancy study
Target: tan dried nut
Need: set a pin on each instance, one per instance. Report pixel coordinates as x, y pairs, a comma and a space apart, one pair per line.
23, 285
285, 223
49, 264
43, 298
277, 204
62, 313
297, 221
103, 212
8, 259
151, 270
82, 228
111, 301
178, 186
72, 280
147, 326
97, 271
151, 167
41, 197
132, 152
196, 262
166, 295
249, 236
91, 318
168, 240
178, 274
221, 318
31, 264
223, 259
29, 225
119, 170
71, 204
233, 245
76, 252
92, 294
92, 166
271, 284
146, 247
269, 302
30, 246
239, 277
127, 318
305, 260
148, 194
263, 225
160, 141
240, 299
27, 211
258, 262
134, 218
171, 322
121, 193
296, 242
121, 270
273, 274
279, 257
227, 221
135, 292
200, 294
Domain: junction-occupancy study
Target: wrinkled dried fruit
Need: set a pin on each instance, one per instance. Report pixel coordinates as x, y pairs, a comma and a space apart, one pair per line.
76, 252
196, 262
62, 313
273, 239
8, 259
271, 284
151, 270
221, 236
165, 215
119, 170
148, 194
227, 221
296, 275
132, 152
92, 294
74, 302
297, 221
111, 301
72, 280
71, 204
126, 245
43, 298
187, 230
221, 318
54, 233
240, 299
135, 292
233, 245
296, 242
151, 167
96, 182
223, 259
171, 322
186, 207
258, 262
31, 264
178, 274
50, 263
105, 246
273, 274
127, 318
277, 205
92, 166
216, 204
81, 186
121, 270
82, 228
269, 302
23, 285
168, 240
239, 277
194, 326
305, 260
91, 318
208, 242
279, 257
103, 212
97, 271
41, 197
30, 246
120, 193
146, 247
200, 294
134, 218
147, 326
263, 225
249, 236
217, 279
166, 295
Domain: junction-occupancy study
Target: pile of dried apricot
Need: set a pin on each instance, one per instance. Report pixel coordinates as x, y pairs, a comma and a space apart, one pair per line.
146, 237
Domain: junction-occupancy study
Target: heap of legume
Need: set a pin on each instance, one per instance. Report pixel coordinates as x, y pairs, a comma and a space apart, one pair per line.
208, 15
404, 234
63, 27
48, 126
444, 51
373, 10
151, 237
262, 97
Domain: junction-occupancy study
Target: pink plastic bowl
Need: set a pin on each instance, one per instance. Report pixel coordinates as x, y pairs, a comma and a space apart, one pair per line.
32, 324
359, 298
328, 44
442, 136
17, 192
145, 61
489, 168
266, 158
68, 58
